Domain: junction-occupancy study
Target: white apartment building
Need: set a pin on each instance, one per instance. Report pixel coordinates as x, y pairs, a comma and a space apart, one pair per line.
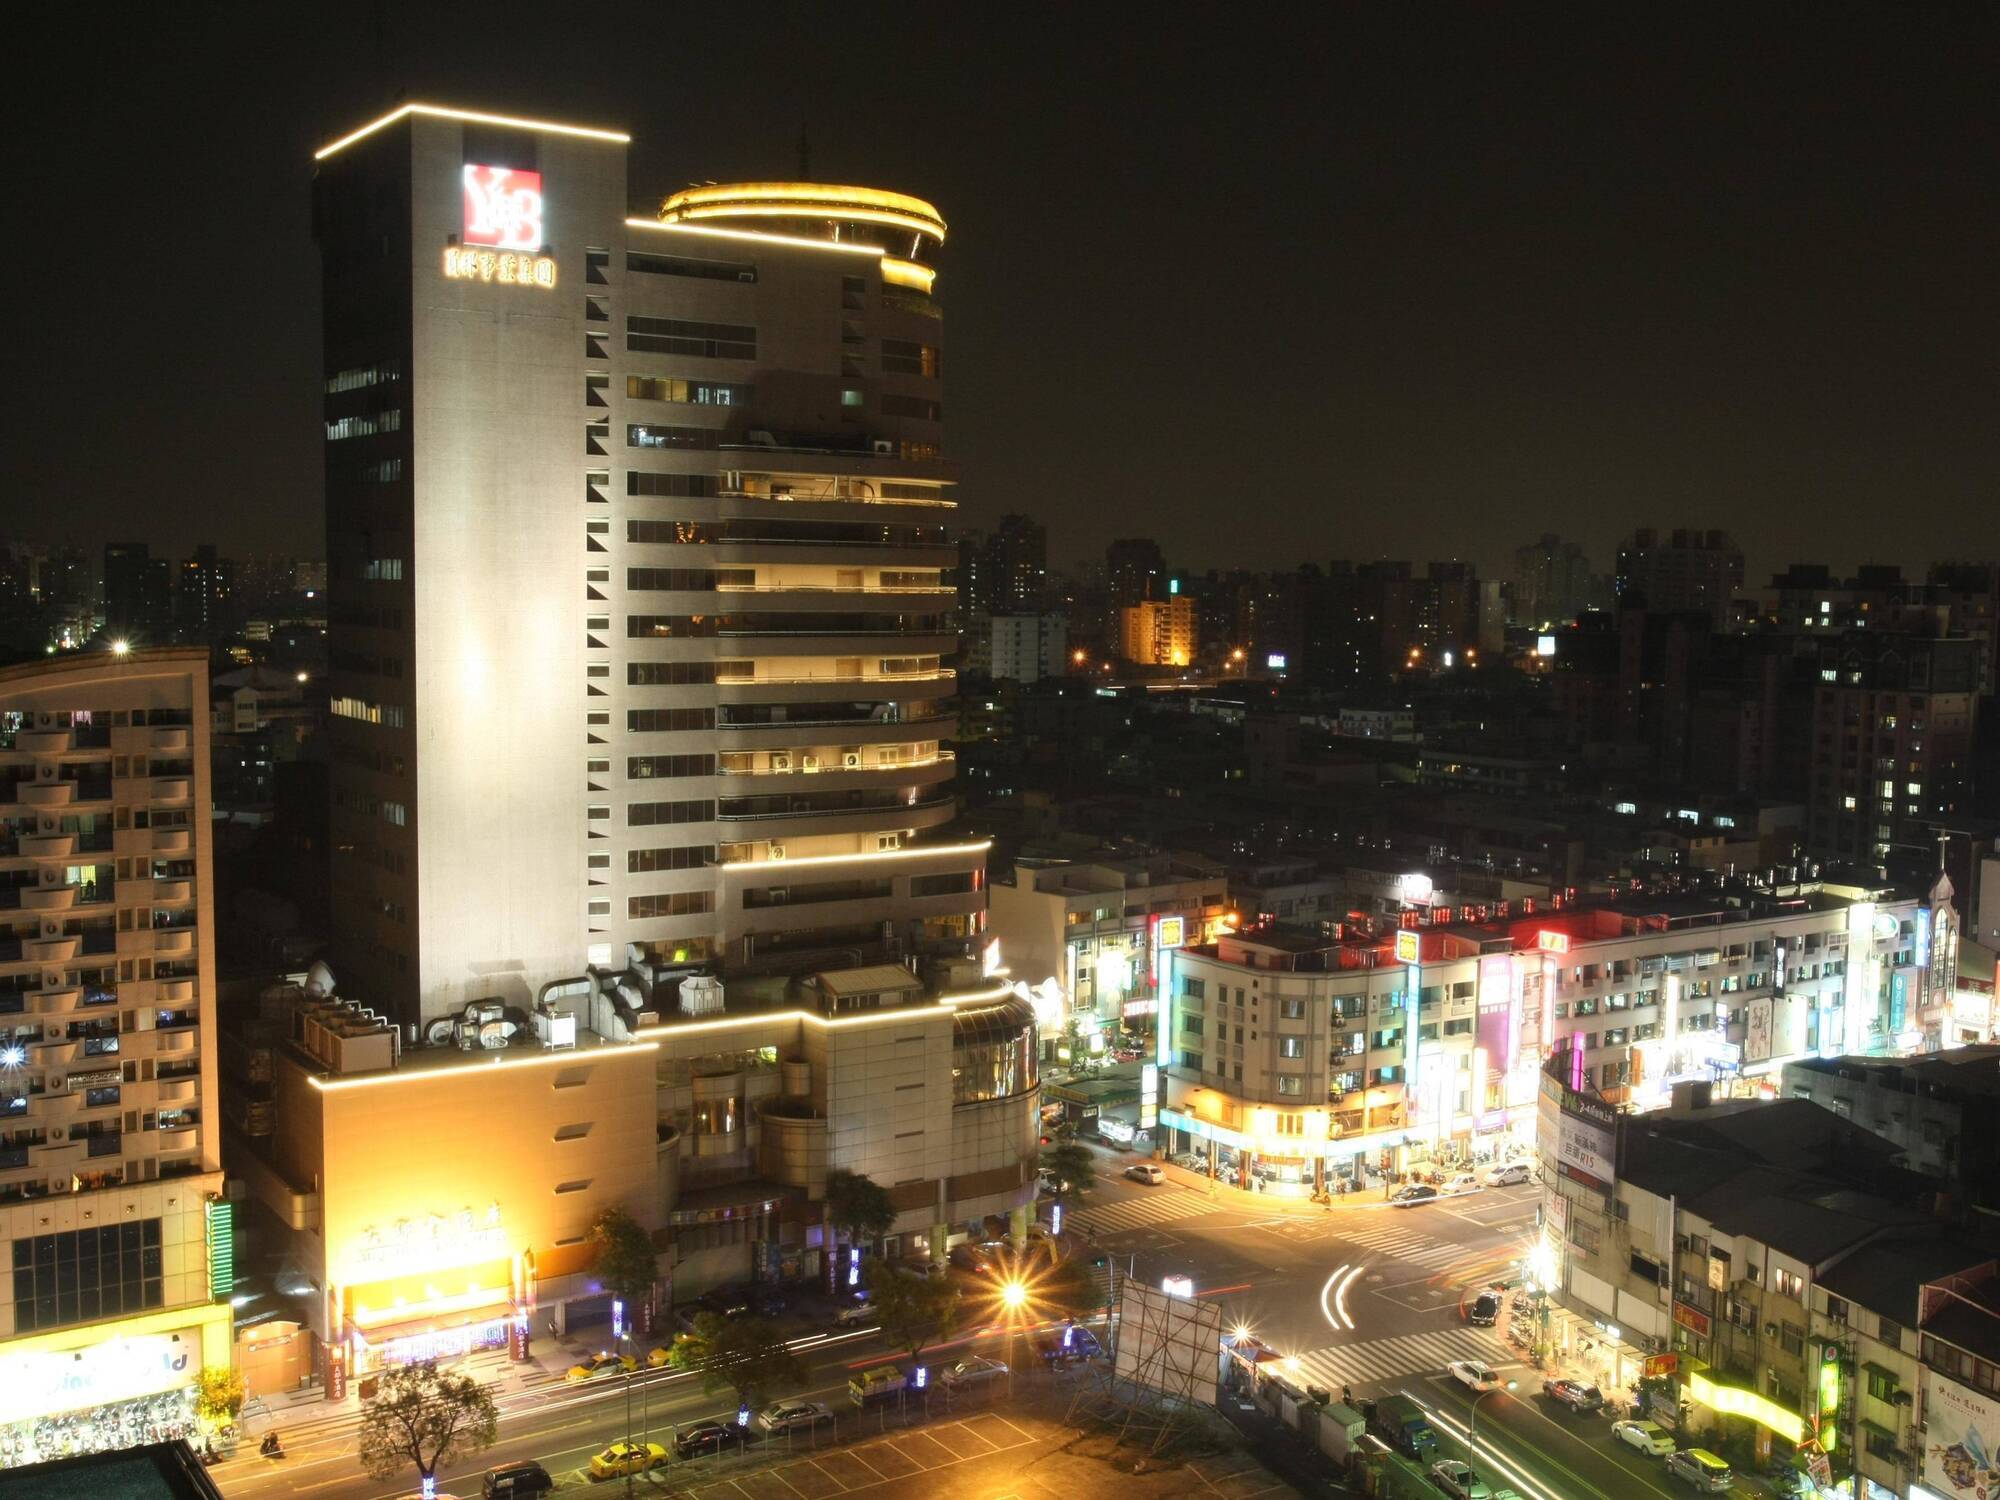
1302, 1049
1027, 647
637, 523
112, 1224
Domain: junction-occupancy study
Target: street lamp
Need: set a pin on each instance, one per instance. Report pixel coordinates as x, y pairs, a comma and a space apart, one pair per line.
1472, 1426
1013, 1297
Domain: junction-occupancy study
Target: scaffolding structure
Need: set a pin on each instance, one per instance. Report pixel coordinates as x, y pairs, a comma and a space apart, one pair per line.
1160, 1381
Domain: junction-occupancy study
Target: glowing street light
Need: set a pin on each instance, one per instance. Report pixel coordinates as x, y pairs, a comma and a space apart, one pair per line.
121, 647
1014, 1296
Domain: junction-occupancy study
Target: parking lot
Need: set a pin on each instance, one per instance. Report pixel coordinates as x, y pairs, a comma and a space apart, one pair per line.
862, 1466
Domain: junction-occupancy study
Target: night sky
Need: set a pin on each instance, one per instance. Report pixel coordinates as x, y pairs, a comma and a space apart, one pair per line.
1408, 281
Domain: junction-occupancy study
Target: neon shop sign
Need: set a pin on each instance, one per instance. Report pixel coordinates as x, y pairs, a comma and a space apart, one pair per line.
502, 232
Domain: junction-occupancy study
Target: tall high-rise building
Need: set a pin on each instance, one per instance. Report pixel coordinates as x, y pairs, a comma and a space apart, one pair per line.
1892, 745
1551, 582
1684, 571
205, 597
112, 1219
138, 594
1135, 571
1017, 552
637, 533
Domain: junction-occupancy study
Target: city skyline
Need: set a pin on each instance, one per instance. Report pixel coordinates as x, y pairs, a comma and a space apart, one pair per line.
1711, 293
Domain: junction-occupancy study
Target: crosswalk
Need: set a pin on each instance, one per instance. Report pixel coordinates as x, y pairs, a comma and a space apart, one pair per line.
1160, 1206
1407, 1247
1405, 1354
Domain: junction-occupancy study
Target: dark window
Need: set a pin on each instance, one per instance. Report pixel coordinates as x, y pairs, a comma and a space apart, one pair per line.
687, 265
921, 407
681, 533
669, 580
677, 857
639, 482
957, 884
667, 721
674, 904
655, 767
668, 674
683, 336
644, 814
81, 1274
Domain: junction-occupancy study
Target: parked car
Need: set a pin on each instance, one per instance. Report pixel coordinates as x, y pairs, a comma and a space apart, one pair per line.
1147, 1172
794, 1416
1508, 1174
1069, 1344
1702, 1469
1647, 1437
626, 1458
969, 1374
1461, 1182
1455, 1477
1412, 1195
1574, 1394
1484, 1311
1474, 1374
601, 1364
697, 1439
516, 1482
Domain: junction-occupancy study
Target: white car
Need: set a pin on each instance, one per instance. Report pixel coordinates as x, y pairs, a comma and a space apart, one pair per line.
1463, 1182
1508, 1174
1647, 1437
1147, 1172
1473, 1374
1455, 1477
794, 1416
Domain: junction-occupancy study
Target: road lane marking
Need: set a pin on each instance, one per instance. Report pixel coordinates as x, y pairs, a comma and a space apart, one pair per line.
1325, 1291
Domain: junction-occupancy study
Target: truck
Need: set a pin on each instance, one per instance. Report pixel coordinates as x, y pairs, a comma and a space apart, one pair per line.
1340, 1429
868, 1387
1400, 1422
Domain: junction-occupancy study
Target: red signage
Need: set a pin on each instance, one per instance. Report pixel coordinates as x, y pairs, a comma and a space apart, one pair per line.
1662, 1364
1552, 942
503, 208
1689, 1318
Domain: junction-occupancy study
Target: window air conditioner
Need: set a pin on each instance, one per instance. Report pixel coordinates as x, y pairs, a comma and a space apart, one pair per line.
781, 762
884, 446
851, 760
809, 762
777, 851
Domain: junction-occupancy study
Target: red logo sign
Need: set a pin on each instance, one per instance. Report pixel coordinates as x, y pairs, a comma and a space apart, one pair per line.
1692, 1319
1552, 942
503, 208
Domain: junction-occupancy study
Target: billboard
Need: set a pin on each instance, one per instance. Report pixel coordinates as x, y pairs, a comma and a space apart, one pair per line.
1757, 1031
1577, 1133
1167, 1343
503, 208
1962, 1434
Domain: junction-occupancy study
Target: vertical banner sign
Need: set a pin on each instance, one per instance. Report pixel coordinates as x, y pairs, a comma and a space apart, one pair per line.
221, 1247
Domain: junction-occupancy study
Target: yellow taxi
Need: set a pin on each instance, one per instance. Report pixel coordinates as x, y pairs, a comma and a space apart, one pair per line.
626, 1458
655, 1358
601, 1364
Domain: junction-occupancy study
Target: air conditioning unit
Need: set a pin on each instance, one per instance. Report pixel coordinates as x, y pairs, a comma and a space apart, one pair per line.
851, 760
777, 851
781, 761
886, 447
809, 762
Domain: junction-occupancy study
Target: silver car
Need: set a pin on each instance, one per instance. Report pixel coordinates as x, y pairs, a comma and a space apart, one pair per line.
794, 1416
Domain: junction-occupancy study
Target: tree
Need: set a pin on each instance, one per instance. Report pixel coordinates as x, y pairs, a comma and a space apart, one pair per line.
916, 1311
855, 1206
746, 1355
624, 1261
1069, 1161
425, 1416
219, 1394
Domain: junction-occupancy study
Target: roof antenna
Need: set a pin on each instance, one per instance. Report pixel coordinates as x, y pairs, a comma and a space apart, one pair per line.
805, 156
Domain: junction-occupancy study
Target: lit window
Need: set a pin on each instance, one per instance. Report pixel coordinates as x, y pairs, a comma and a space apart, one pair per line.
1847, 803
850, 396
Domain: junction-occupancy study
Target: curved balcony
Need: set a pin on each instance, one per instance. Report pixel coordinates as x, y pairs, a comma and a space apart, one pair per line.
62, 1000
42, 741
928, 813
170, 941
49, 845
48, 897
172, 789
831, 689
176, 991
171, 841
46, 793
803, 734
172, 739
59, 949
168, 892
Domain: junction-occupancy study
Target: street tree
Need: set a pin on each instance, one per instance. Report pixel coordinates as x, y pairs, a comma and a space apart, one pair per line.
219, 1394
623, 1259
856, 1207
1069, 1161
746, 1354
915, 1311
427, 1417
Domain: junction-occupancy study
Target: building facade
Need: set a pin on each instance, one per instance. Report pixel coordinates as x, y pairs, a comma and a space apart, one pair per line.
1027, 648
1685, 571
586, 728
1158, 632
112, 1219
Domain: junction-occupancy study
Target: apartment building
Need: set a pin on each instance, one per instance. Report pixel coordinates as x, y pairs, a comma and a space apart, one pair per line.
1027, 648
1158, 632
637, 526
1892, 744
111, 1212
1941, 1110
1683, 571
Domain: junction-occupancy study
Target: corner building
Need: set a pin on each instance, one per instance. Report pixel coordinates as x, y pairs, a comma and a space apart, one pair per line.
640, 581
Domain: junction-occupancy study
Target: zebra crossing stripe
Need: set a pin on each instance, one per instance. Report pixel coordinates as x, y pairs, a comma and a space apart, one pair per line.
1133, 1212
1389, 1358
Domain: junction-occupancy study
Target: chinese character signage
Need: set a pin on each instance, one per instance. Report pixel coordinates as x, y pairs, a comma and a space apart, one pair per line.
1408, 945
1962, 1432
503, 208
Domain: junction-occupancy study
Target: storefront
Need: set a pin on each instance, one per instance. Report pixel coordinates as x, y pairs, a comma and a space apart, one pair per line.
97, 1388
